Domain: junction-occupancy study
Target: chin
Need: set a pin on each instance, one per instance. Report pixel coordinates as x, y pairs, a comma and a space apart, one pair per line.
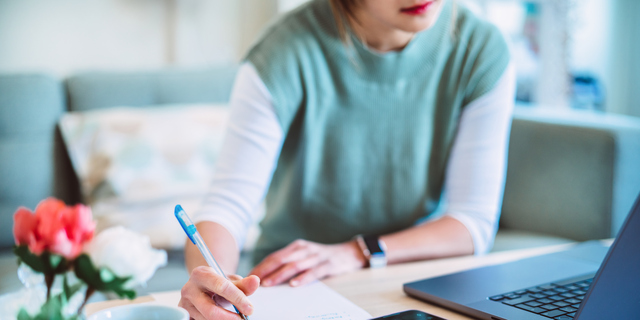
416, 25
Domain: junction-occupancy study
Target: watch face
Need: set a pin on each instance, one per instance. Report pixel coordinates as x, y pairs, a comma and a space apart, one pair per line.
378, 261
372, 244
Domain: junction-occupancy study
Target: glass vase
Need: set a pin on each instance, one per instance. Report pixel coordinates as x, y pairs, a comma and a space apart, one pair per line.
33, 295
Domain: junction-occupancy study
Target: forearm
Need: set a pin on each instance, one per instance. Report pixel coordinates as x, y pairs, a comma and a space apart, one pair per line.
243, 171
440, 238
474, 183
221, 243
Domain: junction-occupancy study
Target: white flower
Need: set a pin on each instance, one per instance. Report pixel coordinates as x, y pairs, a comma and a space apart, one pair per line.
126, 254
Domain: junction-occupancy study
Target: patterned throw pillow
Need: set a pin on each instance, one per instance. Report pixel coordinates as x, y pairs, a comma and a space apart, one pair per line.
136, 164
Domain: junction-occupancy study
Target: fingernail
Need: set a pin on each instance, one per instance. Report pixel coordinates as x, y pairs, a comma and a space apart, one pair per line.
249, 309
266, 283
294, 283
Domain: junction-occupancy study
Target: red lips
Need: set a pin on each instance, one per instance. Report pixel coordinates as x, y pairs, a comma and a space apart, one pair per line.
417, 9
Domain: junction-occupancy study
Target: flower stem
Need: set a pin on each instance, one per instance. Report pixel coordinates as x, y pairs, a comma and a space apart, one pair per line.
87, 295
48, 279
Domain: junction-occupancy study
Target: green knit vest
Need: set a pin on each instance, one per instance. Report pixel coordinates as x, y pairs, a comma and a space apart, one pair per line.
367, 135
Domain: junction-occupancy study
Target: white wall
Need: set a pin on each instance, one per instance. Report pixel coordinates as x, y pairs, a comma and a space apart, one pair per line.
589, 45
205, 31
553, 74
67, 36
286, 5
625, 58
591, 34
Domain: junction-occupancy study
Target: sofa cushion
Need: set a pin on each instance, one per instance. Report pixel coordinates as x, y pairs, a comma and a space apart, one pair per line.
97, 90
571, 174
509, 239
30, 106
136, 164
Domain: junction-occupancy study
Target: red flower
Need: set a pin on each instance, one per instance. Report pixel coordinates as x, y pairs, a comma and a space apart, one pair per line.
54, 227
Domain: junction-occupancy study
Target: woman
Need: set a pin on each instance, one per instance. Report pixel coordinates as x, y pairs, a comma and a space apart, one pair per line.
356, 116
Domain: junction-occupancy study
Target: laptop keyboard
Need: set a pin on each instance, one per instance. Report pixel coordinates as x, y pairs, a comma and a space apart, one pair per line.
558, 301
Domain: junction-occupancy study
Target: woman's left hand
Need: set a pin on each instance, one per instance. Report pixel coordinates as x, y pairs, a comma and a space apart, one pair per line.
304, 261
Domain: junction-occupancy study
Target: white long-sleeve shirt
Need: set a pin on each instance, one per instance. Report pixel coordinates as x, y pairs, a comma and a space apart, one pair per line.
474, 179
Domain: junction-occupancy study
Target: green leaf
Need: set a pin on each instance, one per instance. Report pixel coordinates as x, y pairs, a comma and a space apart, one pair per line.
85, 271
106, 275
45, 263
51, 310
129, 294
58, 264
34, 262
65, 288
54, 260
101, 279
69, 291
23, 315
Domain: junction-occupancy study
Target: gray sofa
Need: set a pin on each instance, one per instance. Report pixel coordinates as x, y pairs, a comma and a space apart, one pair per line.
571, 176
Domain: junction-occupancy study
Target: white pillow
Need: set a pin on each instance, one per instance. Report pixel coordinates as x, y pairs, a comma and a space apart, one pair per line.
136, 164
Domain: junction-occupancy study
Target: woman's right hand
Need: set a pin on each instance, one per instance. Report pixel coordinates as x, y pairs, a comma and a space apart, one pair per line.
197, 294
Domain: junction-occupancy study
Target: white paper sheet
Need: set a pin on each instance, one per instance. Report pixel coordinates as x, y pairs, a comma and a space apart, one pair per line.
314, 301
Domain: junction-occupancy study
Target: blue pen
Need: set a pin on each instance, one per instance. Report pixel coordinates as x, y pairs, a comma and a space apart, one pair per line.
195, 237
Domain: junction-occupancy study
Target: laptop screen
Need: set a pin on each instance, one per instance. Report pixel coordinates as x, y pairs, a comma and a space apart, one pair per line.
615, 291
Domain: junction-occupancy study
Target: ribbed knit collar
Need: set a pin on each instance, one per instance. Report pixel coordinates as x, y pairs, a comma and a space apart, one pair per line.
417, 57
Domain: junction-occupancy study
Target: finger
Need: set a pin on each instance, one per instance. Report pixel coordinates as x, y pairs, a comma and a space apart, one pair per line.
191, 309
292, 269
210, 310
198, 303
234, 277
190, 291
311, 275
209, 281
248, 285
297, 250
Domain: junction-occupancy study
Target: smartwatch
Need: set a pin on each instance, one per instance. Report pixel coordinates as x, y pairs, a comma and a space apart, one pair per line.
374, 250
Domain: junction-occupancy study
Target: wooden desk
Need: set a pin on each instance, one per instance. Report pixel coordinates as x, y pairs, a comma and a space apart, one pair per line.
379, 292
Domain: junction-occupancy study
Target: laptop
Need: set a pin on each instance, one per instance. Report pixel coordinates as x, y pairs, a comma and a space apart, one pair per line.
585, 282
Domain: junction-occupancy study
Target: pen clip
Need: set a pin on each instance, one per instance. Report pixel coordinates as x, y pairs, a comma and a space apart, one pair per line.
185, 223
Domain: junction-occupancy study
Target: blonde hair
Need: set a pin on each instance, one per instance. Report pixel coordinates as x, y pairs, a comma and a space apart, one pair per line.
343, 11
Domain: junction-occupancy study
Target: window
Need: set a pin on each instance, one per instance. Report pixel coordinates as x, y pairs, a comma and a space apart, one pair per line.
559, 47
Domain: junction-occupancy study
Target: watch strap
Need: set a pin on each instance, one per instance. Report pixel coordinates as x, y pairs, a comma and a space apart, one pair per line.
373, 249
